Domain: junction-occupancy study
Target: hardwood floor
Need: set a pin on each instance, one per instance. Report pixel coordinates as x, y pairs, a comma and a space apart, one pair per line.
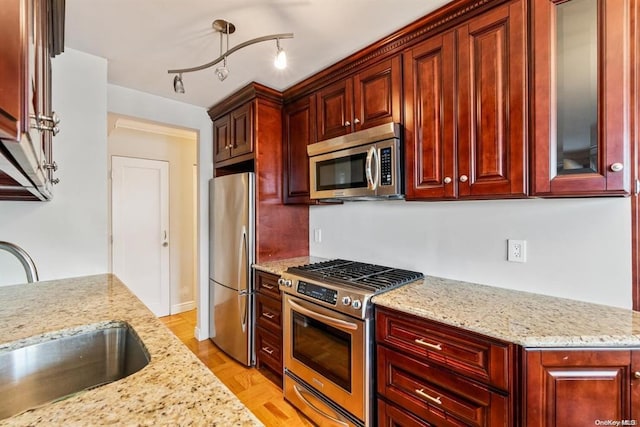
258, 393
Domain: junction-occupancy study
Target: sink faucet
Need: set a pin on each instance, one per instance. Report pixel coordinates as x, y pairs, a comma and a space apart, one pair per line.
24, 258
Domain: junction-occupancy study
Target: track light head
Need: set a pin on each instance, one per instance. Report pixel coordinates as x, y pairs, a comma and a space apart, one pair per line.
280, 62
178, 85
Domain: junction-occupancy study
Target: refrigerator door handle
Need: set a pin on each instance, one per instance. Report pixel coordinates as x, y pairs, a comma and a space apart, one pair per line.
244, 312
244, 269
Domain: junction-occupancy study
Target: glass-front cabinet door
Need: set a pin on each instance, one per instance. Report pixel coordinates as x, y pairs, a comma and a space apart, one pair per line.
581, 97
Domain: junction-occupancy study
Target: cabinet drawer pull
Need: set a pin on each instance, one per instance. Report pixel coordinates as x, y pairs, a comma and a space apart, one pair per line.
268, 287
268, 315
428, 344
267, 350
426, 396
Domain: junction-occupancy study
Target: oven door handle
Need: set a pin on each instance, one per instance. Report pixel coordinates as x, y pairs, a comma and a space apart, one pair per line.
299, 392
340, 324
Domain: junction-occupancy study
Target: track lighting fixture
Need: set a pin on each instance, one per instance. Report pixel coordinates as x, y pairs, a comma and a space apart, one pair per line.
225, 28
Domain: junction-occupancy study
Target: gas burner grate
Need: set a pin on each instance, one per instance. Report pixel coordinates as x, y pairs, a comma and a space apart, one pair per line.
370, 277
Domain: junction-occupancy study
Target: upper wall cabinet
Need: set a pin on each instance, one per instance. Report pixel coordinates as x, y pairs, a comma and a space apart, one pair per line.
465, 109
370, 98
233, 134
299, 131
32, 31
581, 72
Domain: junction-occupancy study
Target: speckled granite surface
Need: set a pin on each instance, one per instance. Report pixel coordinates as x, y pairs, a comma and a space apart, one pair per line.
280, 266
528, 319
174, 389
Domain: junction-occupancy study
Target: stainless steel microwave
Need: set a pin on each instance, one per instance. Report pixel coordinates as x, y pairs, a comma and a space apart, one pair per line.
361, 165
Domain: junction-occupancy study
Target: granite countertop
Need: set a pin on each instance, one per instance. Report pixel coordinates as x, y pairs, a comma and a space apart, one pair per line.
174, 389
523, 318
280, 266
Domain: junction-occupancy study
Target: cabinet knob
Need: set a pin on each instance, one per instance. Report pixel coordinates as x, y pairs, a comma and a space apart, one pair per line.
617, 167
347, 123
636, 375
447, 180
464, 178
356, 120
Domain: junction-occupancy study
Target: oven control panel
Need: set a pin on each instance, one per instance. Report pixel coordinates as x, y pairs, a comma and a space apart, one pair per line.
321, 293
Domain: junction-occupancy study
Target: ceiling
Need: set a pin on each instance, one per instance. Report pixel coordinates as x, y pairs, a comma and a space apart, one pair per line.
142, 39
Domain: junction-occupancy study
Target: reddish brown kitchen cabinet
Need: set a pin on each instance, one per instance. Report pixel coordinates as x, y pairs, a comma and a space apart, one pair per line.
465, 109
581, 387
268, 339
372, 97
299, 131
250, 120
441, 375
430, 124
233, 134
31, 32
581, 75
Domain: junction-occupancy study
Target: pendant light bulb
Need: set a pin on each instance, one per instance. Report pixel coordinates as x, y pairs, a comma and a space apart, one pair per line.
222, 72
281, 57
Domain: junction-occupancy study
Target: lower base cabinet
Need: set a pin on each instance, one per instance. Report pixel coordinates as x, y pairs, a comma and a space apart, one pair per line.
581, 387
431, 374
268, 337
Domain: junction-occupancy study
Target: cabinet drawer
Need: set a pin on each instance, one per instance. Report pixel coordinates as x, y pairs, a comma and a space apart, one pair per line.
438, 395
391, 416
269, 349
269, 313
464, 352
267, 284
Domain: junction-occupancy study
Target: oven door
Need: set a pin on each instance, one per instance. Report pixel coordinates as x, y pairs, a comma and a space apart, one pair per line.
327, 350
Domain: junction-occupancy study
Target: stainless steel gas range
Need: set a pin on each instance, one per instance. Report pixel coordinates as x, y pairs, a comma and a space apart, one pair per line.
328, 337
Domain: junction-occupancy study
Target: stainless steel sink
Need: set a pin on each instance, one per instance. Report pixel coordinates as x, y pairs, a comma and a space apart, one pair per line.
48, 371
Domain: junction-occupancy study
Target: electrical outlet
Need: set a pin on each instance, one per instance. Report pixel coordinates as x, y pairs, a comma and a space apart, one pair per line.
317, 235
516, 250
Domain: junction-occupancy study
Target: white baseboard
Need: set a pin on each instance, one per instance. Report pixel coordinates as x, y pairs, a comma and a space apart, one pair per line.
196, 333
185, 306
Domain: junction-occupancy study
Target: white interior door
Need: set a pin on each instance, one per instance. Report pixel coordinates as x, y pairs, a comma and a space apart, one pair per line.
140, 228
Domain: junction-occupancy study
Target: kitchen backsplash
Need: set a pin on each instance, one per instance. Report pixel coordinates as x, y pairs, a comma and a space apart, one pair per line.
575, 248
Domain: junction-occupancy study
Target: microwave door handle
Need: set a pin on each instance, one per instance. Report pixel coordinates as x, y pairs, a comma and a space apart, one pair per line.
337, 323
371, 183
376, 164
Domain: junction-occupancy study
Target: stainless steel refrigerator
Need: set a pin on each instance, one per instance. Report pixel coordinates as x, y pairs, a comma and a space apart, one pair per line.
231, 254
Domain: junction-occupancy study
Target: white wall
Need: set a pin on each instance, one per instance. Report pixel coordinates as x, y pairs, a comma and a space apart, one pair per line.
68, 236
133, 103
180, 153
576, 248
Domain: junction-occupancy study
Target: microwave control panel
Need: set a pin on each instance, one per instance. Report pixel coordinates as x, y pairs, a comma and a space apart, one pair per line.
386, 163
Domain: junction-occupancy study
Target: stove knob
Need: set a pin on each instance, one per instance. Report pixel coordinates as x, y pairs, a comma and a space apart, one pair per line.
288, 283
346, 301
281, 281
356, 304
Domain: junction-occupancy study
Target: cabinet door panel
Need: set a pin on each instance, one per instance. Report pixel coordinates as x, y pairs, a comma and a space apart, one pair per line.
221, 139
242, 130
300, 131
377, 94
635, 385
611, 132
429, 93
581, 386
491, 103
335, 109
391, 416
12, 71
